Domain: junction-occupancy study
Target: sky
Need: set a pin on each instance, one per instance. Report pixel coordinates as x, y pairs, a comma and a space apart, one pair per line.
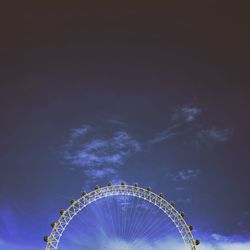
154, 93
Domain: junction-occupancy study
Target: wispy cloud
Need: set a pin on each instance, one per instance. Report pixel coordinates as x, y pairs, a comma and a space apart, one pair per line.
83, 130
183, 176
101, 150
186, 126
165, 134
116, 122
219, 237
186, 174
100, 173
214, 135
98, 152
182, 119
186, 114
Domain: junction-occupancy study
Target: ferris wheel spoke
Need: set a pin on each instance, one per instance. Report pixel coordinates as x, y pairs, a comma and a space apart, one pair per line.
133, 218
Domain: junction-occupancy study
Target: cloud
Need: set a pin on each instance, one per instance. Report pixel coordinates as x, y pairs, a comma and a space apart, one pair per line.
184, 201
145, 245
76, 132
100, 173
99, 151
105, 151
116, 122
182, 120
225, 246
165, 134
187, 129
186, 174
101, 241
218, 237
114, 243
186, 114
214, 135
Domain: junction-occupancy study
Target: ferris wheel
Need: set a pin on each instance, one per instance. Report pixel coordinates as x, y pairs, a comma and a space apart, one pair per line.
122, 190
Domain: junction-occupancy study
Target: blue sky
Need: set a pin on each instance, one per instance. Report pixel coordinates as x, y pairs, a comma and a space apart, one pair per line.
180, 160
155, 94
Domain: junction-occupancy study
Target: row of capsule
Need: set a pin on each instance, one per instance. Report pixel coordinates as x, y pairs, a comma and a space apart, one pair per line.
197, 242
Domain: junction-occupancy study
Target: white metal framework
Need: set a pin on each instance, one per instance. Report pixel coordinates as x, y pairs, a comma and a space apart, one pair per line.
114, 190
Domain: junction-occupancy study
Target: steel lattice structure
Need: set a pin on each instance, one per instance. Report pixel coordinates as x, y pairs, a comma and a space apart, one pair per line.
114, 190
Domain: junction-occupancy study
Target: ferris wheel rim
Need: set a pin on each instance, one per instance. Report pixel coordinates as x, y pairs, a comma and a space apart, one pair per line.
123, 190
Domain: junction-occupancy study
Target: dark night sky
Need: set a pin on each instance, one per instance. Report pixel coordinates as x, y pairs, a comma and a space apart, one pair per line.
169, 82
